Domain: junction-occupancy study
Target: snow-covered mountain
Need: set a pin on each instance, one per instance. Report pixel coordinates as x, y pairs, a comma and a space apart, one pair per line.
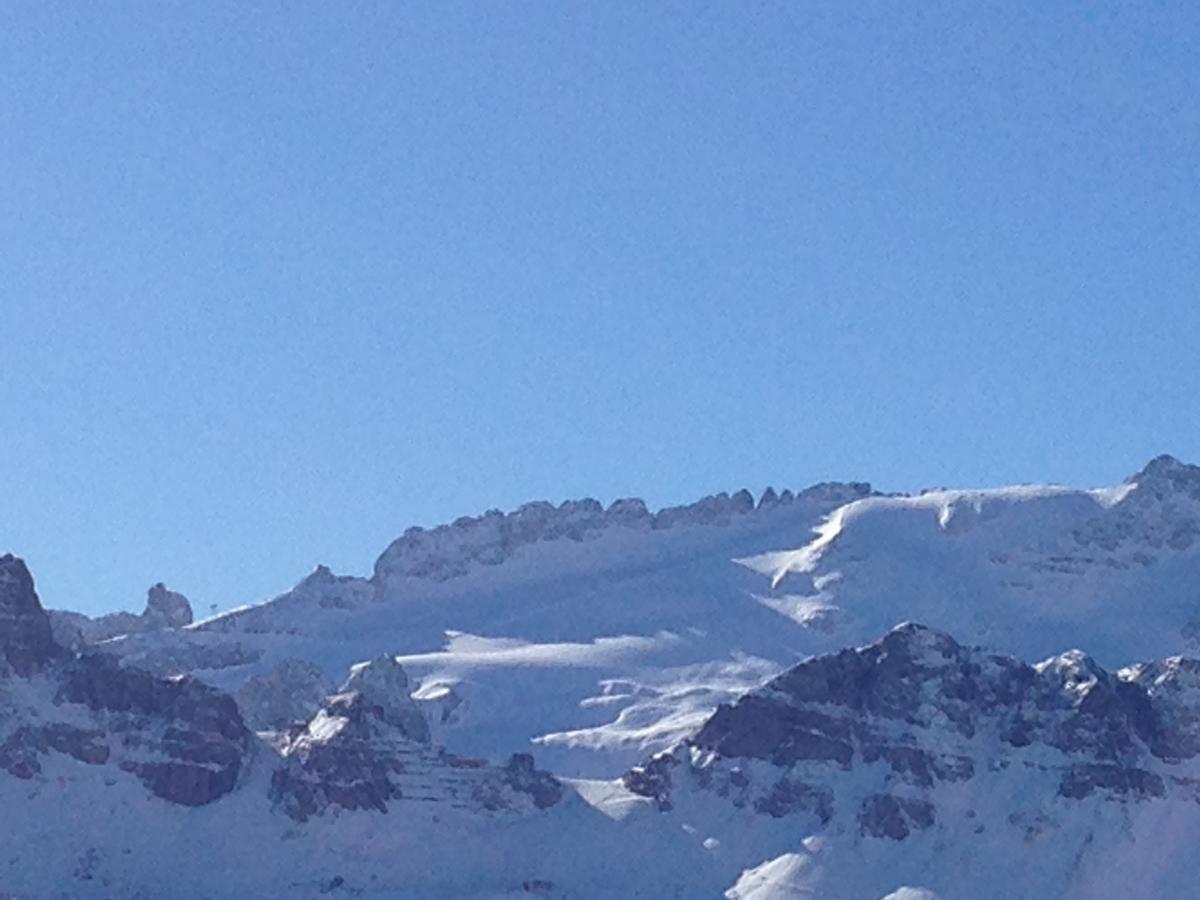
917, 760
590, 701
602, 634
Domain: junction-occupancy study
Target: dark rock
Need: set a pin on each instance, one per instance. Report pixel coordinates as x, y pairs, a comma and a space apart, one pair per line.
27, 644
521, 775
187, 785
100, 683
349, 768
885, 815
768, 499
913, 701
760, 728
1083, 780
383, 685
921, 767
788, 796
369, 746
84, 744
824, 709
653, 779
20, 751
197, 728
167, 609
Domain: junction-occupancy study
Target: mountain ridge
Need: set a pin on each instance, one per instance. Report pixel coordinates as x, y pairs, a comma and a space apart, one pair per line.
509, 704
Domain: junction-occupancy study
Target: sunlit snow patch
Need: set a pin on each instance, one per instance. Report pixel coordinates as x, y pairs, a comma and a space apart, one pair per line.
472, 650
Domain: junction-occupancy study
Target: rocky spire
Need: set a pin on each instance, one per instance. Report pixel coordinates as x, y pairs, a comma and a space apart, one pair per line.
26, 643
166, 608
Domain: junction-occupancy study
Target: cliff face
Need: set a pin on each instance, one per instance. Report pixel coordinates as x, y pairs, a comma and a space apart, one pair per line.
367, 746
184, 740
26, 642
920, 741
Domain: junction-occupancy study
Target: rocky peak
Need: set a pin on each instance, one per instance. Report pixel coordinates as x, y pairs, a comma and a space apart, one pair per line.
1166, 470
26, 641
919, 703
449, 551
1076, 676
1172, 689
369, 747
383, 685
837, 492
169, 608
1159, 513
1166, 484
164, 609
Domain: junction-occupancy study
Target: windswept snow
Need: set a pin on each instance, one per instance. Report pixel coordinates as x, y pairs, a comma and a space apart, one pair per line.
465, 652
599, 634
596, 637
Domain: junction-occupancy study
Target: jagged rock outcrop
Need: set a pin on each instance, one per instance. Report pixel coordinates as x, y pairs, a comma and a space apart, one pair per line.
369, 747
167, 608
26, 641
164, 609
1172, 687
185, 741
912, 710
382, 686
448, 551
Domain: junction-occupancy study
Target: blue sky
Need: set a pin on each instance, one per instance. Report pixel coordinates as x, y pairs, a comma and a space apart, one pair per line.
279, 280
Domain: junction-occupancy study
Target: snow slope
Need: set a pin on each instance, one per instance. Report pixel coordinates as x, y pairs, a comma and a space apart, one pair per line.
599, 635
698, 728
1114, 570
598, 641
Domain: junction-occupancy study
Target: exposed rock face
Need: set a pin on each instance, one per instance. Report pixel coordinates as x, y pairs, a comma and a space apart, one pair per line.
369, 748
833, 708
183, 739
291, 692
521, 777
451, 550
1161, 512
883, 815
914, 708
168, 609
22, 750
164, 609
26, 642
1173, 689
383, 685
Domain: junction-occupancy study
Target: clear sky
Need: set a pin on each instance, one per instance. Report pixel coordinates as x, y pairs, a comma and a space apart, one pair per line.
278, 280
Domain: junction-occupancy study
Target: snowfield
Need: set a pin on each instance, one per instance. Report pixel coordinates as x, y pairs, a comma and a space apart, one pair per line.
696, 724
600, 637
